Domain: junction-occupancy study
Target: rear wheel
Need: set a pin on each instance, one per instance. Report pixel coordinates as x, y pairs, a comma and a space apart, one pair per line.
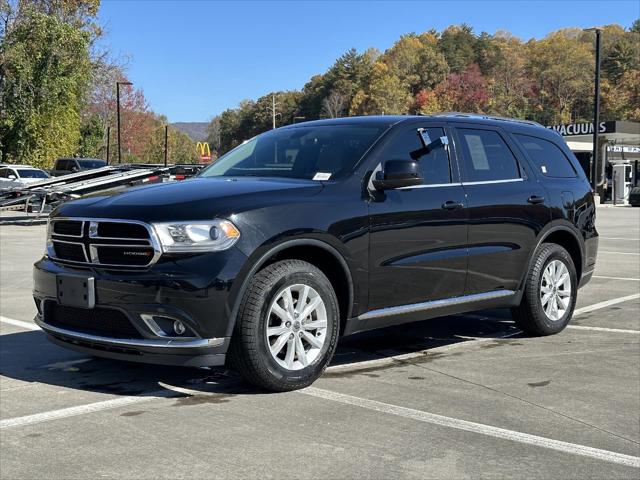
287, 327
550, 292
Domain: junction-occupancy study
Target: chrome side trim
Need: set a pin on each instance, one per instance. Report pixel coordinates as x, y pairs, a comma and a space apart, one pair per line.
447, 302
489, 182
172, 344
458, 184
434, 185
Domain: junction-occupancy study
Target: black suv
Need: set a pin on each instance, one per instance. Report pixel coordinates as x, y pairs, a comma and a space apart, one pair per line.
64, 166
322, 229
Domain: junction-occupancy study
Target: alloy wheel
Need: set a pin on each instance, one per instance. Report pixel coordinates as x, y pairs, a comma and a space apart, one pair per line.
296, 326
555, 290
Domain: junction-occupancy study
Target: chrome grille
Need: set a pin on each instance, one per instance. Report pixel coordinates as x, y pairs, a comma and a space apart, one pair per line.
103, 242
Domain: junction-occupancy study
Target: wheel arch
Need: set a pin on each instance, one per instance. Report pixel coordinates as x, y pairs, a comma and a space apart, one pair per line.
317, 252
567, 238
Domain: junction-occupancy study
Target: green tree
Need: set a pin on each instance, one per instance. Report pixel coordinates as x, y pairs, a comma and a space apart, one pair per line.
44, 73
457, 44
92, 138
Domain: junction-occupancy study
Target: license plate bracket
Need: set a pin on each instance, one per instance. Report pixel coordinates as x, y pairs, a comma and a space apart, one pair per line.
76, 291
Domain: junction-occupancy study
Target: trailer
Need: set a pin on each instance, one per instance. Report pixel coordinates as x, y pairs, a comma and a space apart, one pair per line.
41, 197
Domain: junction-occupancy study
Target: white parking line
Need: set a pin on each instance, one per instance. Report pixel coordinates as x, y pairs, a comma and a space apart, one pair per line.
619, 238
605, 304
479, 428
603, 329
19, 323
617, 278
619, 253
82, 409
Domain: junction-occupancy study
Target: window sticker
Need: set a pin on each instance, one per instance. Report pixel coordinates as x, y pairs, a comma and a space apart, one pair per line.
322, 176
476, 150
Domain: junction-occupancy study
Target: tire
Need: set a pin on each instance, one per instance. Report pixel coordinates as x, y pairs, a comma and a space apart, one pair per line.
533, 315
250, 352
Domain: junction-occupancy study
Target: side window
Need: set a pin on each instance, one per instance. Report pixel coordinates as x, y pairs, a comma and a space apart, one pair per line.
4, 172
549, 159
434, 165
487, 157
62, 165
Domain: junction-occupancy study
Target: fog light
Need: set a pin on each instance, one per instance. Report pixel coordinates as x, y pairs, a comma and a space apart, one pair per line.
178, 327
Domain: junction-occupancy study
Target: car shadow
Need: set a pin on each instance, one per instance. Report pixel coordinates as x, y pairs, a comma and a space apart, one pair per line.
30, 357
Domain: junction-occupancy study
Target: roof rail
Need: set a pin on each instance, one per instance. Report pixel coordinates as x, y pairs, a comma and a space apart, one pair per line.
486, 117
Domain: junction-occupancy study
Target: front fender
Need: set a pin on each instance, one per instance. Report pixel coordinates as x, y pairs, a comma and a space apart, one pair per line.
267, 250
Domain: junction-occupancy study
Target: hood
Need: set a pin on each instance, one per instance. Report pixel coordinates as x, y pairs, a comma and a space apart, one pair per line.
195, 199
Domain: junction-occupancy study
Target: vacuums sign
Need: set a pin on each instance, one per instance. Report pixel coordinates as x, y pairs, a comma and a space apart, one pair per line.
569, 129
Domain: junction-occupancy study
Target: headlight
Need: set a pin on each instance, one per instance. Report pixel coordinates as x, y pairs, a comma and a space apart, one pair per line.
207, 236
48, 247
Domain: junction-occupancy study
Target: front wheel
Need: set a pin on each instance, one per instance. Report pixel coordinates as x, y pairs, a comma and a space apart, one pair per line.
550, 292
287, 327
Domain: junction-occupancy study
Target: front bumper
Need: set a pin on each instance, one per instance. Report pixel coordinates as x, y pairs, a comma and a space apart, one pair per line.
193, 290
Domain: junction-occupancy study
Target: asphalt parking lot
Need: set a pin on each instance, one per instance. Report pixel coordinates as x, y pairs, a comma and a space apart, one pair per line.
457, 397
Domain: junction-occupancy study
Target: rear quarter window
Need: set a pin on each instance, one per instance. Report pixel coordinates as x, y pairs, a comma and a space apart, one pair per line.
547, 156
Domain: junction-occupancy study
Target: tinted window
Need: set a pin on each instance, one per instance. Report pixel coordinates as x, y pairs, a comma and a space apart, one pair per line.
323, 153
487, 156
63, 165
88, 164
549, 159
4, 172
407, 145
32, 173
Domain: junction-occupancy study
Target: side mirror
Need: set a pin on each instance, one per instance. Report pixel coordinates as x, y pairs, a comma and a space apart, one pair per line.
74, 169
11, 176
397, 174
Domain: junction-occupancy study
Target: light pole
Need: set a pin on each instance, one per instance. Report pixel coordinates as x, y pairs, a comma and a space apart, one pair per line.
108, 142
118, 110
596, 109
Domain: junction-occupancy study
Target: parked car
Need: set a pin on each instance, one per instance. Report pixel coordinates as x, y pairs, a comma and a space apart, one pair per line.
64, 166
318, 230
20, 175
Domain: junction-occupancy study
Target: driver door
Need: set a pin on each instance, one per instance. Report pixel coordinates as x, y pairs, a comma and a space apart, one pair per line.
418, 235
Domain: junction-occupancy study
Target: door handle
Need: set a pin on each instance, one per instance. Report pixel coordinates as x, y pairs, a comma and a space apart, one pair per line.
451, 205
535, 199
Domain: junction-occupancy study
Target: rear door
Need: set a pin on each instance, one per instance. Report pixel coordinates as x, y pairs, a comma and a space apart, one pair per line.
506, 208
417, 239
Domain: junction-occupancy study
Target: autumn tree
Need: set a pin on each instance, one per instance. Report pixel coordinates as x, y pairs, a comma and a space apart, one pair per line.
561, 79
416, 61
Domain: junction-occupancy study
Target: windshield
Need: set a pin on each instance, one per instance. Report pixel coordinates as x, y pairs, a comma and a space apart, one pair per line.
92, 163
320, 153
32, 173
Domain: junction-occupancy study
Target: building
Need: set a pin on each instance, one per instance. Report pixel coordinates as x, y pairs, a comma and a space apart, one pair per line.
620, 144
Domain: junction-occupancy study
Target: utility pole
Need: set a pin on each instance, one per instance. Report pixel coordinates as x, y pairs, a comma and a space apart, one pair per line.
118, 115
166, 136
108, 142
272, 109
596, 110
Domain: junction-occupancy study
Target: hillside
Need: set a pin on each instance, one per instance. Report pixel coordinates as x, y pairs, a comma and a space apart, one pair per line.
196, 130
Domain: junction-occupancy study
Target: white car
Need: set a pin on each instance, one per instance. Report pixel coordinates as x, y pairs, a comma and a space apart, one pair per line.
20, 175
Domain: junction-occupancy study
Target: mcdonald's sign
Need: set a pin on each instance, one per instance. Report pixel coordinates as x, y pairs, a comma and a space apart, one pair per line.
203, 151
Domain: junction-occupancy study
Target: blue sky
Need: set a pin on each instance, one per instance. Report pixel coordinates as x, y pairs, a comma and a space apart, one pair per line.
193, 59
